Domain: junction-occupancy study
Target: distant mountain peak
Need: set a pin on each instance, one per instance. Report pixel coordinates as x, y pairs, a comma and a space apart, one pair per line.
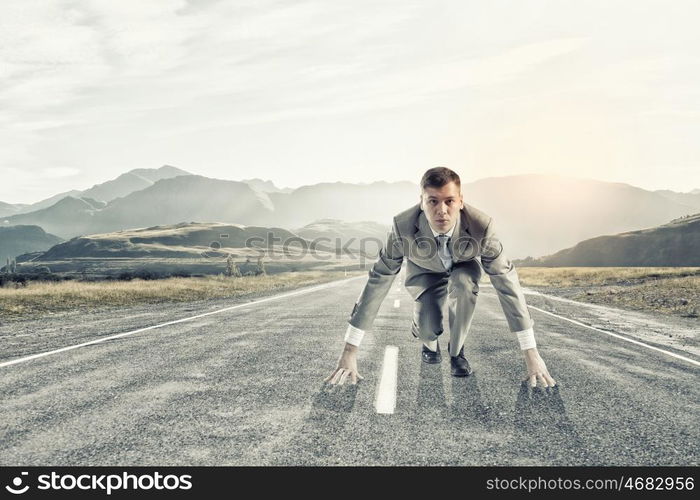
265, 186
73, 201
155, 174
131, 181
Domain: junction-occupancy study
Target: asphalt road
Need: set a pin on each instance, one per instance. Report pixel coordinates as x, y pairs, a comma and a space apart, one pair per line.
245, 387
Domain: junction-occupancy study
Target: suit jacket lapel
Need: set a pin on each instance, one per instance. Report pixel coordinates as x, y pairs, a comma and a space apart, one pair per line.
425, 248
462, 244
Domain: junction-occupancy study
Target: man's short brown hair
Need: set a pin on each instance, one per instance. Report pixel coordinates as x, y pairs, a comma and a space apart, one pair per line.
438, 177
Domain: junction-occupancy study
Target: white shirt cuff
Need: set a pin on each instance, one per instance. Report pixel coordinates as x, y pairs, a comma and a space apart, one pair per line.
353, 336
526, 338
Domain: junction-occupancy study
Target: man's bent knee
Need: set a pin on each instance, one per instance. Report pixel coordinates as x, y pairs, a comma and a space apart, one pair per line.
464, 284
465, 278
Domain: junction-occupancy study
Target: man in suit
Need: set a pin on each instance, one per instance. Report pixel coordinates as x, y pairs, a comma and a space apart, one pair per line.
441, 238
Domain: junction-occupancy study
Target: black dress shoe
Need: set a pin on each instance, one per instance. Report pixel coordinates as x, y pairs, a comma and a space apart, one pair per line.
431, 357
459, 366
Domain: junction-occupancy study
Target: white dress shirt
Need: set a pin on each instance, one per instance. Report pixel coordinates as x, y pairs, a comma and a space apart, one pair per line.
448, 233
526, 338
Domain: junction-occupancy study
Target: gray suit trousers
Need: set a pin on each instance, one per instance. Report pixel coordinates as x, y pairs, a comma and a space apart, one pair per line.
456, 292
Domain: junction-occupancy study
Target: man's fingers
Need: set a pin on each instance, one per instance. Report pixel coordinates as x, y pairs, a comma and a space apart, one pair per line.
336, 377
341, 375
543, 377
329, 377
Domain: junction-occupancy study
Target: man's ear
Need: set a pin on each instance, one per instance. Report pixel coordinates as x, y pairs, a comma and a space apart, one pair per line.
461, 201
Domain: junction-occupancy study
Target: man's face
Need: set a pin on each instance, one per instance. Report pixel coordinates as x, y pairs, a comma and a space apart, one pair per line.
442, 206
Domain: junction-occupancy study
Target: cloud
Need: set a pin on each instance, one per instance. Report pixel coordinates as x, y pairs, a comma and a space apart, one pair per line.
69, 58
112, 61
80, 80
362, 86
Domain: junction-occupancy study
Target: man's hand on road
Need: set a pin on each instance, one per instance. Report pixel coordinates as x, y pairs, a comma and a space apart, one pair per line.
537, 370
347, 367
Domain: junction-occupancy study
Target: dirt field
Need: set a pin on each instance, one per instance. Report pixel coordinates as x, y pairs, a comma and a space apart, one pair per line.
39, 298
667, 290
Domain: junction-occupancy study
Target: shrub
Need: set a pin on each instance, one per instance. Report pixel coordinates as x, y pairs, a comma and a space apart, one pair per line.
232, 269
147, 275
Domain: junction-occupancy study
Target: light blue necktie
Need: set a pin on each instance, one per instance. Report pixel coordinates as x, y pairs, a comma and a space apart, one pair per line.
443, 251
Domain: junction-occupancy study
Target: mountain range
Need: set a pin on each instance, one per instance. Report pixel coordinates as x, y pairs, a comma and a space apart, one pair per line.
535, 214
133, 180
538, 215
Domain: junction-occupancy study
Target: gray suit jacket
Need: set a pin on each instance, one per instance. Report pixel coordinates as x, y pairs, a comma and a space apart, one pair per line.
411, 238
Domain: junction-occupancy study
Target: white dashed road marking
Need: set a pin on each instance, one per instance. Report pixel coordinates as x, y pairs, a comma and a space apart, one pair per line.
386, 392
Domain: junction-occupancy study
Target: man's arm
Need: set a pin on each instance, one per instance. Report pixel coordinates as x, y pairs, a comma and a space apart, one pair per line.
504, 279
381, 277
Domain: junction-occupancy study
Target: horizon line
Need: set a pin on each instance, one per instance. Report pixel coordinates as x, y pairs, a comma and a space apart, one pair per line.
365, 183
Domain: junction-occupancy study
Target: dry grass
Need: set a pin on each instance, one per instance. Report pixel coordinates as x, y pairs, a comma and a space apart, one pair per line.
667, 290
46, 297
598, 276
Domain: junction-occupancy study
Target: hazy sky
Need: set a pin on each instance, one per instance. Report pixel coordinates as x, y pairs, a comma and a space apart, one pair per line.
312, 91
